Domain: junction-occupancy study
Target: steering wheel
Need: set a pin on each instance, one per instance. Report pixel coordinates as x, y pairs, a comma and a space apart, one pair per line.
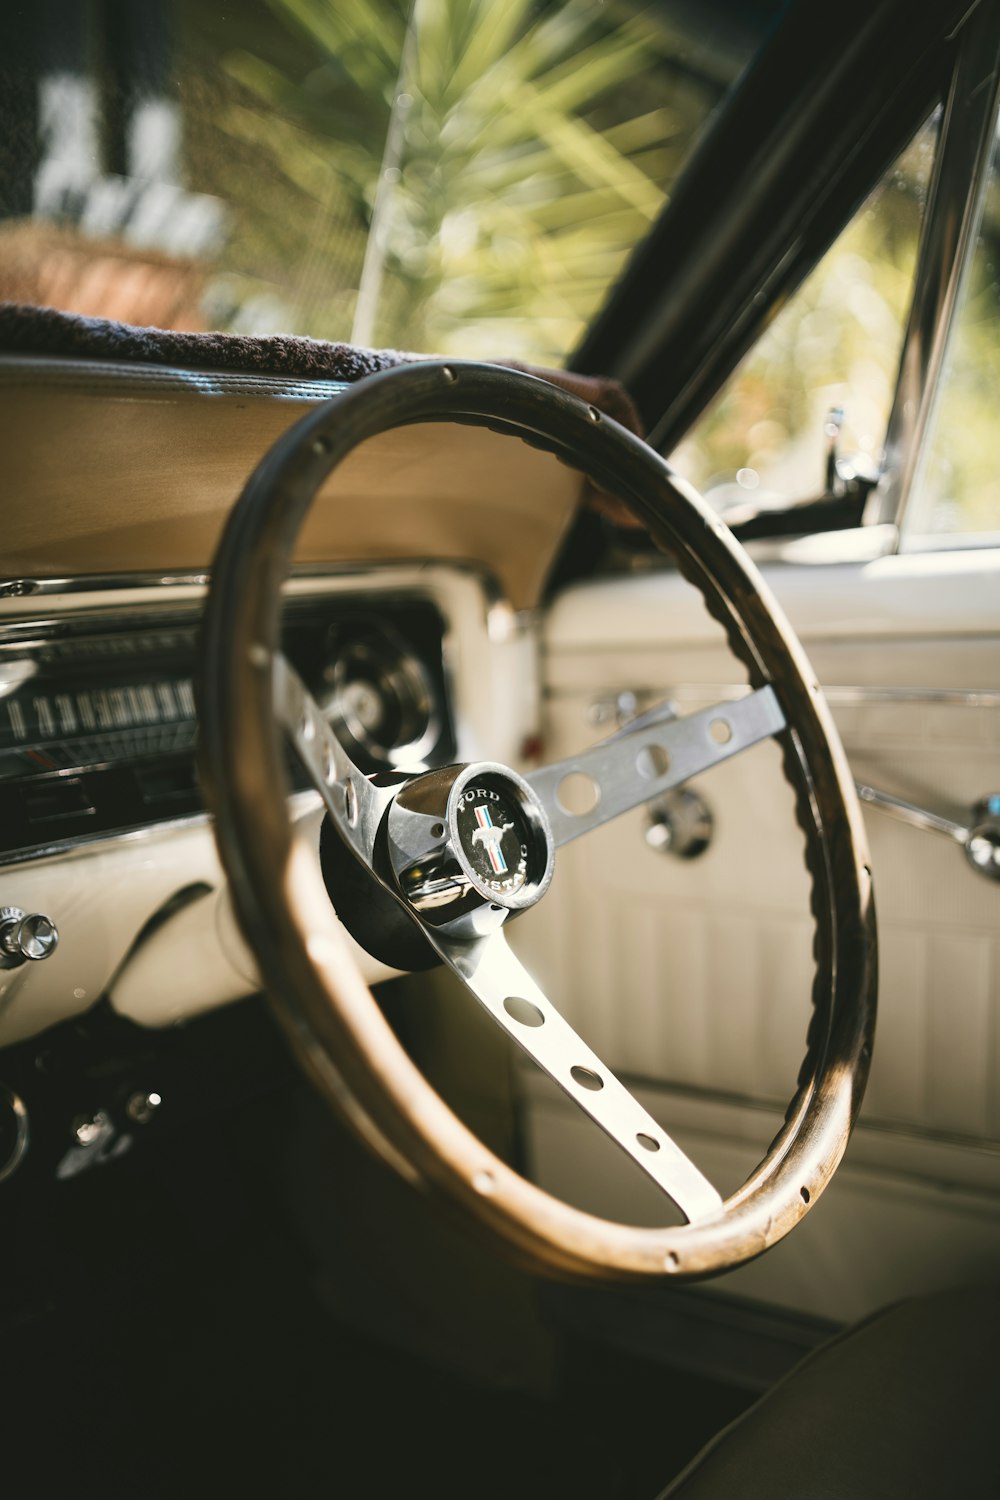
456, 851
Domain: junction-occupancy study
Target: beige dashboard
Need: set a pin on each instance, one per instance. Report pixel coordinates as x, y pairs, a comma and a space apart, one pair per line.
111, 468
117, 481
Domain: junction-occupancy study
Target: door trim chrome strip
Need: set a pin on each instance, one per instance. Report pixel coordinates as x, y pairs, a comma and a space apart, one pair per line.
846, 696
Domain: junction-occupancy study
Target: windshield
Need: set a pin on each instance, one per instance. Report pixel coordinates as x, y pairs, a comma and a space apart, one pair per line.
455, 176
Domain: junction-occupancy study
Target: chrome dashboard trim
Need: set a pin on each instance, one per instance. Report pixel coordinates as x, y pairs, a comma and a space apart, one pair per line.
381, 576
22, 588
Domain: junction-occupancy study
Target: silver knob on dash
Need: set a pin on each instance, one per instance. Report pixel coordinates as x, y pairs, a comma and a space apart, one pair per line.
25, 936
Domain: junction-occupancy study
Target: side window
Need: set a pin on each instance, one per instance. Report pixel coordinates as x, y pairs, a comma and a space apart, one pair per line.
834, 346
957, 488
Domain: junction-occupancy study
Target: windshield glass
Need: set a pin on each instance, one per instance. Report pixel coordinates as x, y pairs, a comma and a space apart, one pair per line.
456, 176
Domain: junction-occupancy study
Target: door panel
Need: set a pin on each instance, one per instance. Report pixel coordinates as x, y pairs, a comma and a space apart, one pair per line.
694, 976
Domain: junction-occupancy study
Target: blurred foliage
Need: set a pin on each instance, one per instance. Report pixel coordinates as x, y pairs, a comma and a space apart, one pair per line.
509, 156
484, 170
835, 343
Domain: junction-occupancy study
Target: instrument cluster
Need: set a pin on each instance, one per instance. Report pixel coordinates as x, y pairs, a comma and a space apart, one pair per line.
98, 721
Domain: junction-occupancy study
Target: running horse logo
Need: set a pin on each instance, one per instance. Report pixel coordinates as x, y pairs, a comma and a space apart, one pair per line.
490, 834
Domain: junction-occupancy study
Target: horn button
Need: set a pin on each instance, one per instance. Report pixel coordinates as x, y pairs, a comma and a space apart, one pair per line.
494, 835
469, 844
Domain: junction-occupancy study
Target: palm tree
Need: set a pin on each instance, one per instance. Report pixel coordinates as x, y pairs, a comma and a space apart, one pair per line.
496, 160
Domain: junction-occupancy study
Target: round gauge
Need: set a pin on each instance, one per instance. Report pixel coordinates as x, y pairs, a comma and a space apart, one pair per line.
380, 699
363, 705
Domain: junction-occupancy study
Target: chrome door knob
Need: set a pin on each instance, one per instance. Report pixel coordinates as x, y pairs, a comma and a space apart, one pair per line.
25, 936
680, 823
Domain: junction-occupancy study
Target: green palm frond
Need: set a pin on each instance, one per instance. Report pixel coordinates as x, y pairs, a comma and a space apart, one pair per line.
532, 156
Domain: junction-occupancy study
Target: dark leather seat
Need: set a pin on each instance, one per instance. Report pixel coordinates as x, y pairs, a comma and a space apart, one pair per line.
904, 1406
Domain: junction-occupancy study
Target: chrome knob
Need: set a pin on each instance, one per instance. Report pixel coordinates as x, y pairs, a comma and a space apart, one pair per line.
982, 844
142, 1106
25, 936
680, 823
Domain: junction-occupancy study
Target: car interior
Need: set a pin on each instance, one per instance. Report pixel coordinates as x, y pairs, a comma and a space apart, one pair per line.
499, 729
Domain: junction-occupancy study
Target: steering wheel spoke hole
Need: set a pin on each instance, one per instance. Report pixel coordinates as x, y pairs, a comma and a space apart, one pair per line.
578, 794
586, 1078
523, 1011
652, 762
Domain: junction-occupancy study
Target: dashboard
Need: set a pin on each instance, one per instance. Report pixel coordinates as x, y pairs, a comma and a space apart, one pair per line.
410, 614
103, 829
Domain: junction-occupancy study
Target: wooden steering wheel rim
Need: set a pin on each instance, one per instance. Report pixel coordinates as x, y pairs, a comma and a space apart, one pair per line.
333, 1021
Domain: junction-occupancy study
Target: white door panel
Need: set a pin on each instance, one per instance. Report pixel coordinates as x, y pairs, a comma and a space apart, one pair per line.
695, 976
695, 972
880, 1232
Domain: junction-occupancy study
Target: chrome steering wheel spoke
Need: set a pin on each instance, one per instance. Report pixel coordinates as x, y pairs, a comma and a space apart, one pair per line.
652, 755
483, 960
502, 985
356, 804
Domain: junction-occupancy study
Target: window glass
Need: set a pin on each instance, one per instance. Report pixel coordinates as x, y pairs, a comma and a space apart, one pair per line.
458, 176
957, 488
834, 346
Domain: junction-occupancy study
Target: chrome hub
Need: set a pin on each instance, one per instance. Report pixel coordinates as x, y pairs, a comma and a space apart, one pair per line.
468, 844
